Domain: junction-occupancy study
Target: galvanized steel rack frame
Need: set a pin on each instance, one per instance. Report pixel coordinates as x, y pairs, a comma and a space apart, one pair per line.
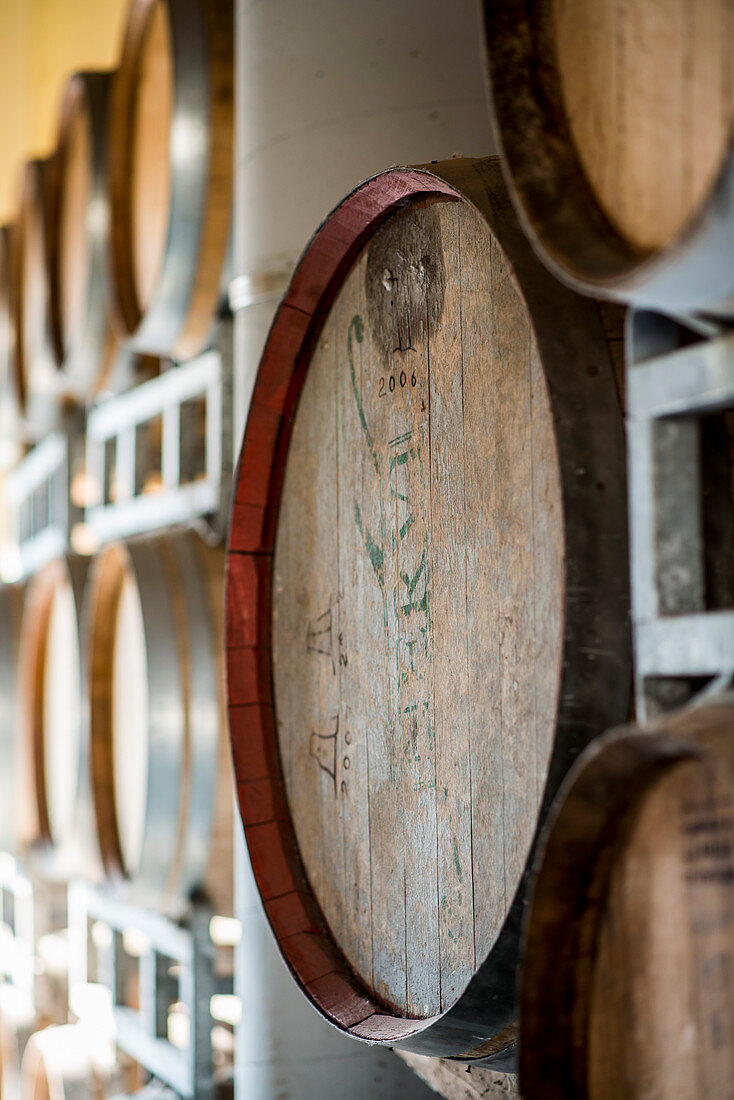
17, 963
178, 966
49, 515
679, 372
113, 431
39, 493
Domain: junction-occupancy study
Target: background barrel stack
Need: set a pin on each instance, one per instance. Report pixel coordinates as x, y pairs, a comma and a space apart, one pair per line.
367, 552
118, 794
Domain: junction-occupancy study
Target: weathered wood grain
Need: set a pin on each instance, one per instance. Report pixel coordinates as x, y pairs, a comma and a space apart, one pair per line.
630, 936
417, 615
662, 1001
649, 94
615, 119
426, 602
457, 1082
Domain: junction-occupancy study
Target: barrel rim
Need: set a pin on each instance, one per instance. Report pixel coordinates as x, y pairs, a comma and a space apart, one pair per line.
555, 203
487, 1006
49, 849
84, 359
589, 825
180, 314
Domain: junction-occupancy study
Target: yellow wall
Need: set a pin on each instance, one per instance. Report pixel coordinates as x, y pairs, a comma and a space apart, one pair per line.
41, 43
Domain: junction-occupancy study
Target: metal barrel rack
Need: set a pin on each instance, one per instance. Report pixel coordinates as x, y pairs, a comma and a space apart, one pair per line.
175, 965
680, 371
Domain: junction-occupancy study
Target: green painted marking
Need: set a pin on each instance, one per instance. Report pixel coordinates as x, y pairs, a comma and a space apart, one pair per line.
356, 329
376, 556
400, 439
411, 583
457, 861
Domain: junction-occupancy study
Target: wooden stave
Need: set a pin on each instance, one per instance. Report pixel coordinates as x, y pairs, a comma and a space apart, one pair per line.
36, 381
178, 320
556, 206
11, 609
73, 852
177, 855
84, 361
585, 832
457, 1031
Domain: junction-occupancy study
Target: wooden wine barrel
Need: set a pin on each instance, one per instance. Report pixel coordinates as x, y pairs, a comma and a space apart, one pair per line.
11, 610
626, 192
83, 339
54, 723
426, 603
36, 375
161, 775
170, 171
628, 973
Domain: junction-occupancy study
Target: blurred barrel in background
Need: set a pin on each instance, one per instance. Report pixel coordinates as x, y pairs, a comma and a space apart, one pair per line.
11, 428
625, 192
32, 239
629, 947
54, 721
11, 611
170, 171
79, 290
161, 774
427, 600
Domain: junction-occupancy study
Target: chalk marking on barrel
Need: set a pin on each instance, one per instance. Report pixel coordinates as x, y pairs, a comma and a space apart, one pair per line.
322, 747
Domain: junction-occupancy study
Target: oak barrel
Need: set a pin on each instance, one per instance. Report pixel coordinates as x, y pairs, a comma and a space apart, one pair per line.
161, 774
54, 729
36, 375
628, 973
170, 171
626, 190
426, 601
83, 339
11, 610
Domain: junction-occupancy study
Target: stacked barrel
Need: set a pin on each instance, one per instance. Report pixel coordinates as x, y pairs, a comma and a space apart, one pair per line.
115, 755
94, 268
427, 598
427, 612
